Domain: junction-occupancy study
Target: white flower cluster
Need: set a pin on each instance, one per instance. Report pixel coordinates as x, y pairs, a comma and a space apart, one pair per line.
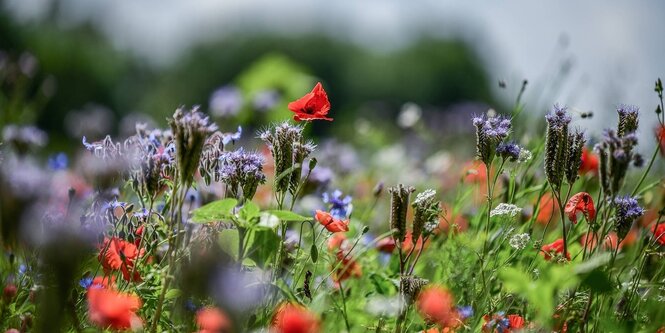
424, 196
525, 156
519, 241
505, 209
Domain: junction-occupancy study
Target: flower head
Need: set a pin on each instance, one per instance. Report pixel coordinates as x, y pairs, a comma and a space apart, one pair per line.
314, 105
627, 211
340, 205
293, 318
330, 223
519, 241
111, 309
589, 162
509, 151
658, 231
212, 320
628, 119
242, 172
490, 132
554, 249
583, 203
500, 323
505, 209
436, 305
118, 254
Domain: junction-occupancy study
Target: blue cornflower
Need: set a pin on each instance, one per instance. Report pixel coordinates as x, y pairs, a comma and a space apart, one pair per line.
340, 207
85, 283
465, 311
58, 161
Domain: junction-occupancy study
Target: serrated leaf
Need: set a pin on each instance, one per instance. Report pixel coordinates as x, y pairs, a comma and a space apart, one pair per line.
286, 215
215, 211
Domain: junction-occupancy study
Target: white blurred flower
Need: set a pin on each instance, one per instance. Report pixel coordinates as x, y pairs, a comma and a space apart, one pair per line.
383, 306
505, 209
409, 115
520, 241
525, 156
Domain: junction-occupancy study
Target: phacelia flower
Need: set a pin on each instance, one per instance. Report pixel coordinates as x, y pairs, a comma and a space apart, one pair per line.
436, 305
399, 204
628, 119
242, 172
330, 223
111, 309
426, 211
509, 151
212, 320
293, 318
556, 143
118, 254
554, 249
627, 211
340, 205
490, 132
314, 105
190, 130
583, 203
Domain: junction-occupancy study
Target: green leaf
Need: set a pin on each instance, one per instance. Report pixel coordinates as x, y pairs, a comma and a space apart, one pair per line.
263, 245
314, 253
598, 281
228, 242
249, 211
215, 211
172, 293
286, 215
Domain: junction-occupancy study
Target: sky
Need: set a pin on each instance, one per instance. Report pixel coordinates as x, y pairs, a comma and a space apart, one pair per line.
613, 49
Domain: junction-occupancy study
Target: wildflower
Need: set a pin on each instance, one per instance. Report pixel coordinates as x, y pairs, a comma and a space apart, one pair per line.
225, 101
628, 119
24, 138
505, 209
500, 323
337, 241
611, 241
556, 144
436, 305
190, 130
386, 245
465, 312
490, 132
509, 151
399, 205
111, 309
340, 208
525, 155
241, 172
554, 249
293, 318
547, 209
615, 156
411, 285
658, 231
408, 243
519, 241
426, 210
330, 223
9, 292
117, 254
212, 320
58, 161
289, 150
627, 211
346, 267
573, 160
314, 105
660, 137
589, 162
580, 202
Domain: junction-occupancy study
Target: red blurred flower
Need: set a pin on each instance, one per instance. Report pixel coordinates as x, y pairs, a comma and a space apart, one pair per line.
660, 136
9, 292
212, 320
658, 231
336, 241
547, 208
580, 202
111, 309
330, 223
407, 244
457, 222
516, 321
436, 305
293, 318
314, 105
589, 162
345, 267
386, 245
553, 249
475, 172
118, 254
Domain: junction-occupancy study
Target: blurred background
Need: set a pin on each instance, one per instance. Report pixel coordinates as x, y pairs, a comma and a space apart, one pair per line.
394, 70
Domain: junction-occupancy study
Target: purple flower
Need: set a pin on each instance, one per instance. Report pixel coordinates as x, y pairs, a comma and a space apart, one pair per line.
241, 170
340, 207
225, 101
231, 137
627, 110
490, 132
558, 117
85, 283
58, 161
465, 311
265, 100
509, 151
627, 210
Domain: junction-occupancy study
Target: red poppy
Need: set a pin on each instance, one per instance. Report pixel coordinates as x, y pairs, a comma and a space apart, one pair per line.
386, 245
118, 254
293, 318
330, 223
580, 202
658, 231
589, 162
457, 222
212, 320
516, 321
407, 244
111, 309
336, 241
107, 282
436, 305
554, 249
314, 105
345, 267
547, 208
660, 136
